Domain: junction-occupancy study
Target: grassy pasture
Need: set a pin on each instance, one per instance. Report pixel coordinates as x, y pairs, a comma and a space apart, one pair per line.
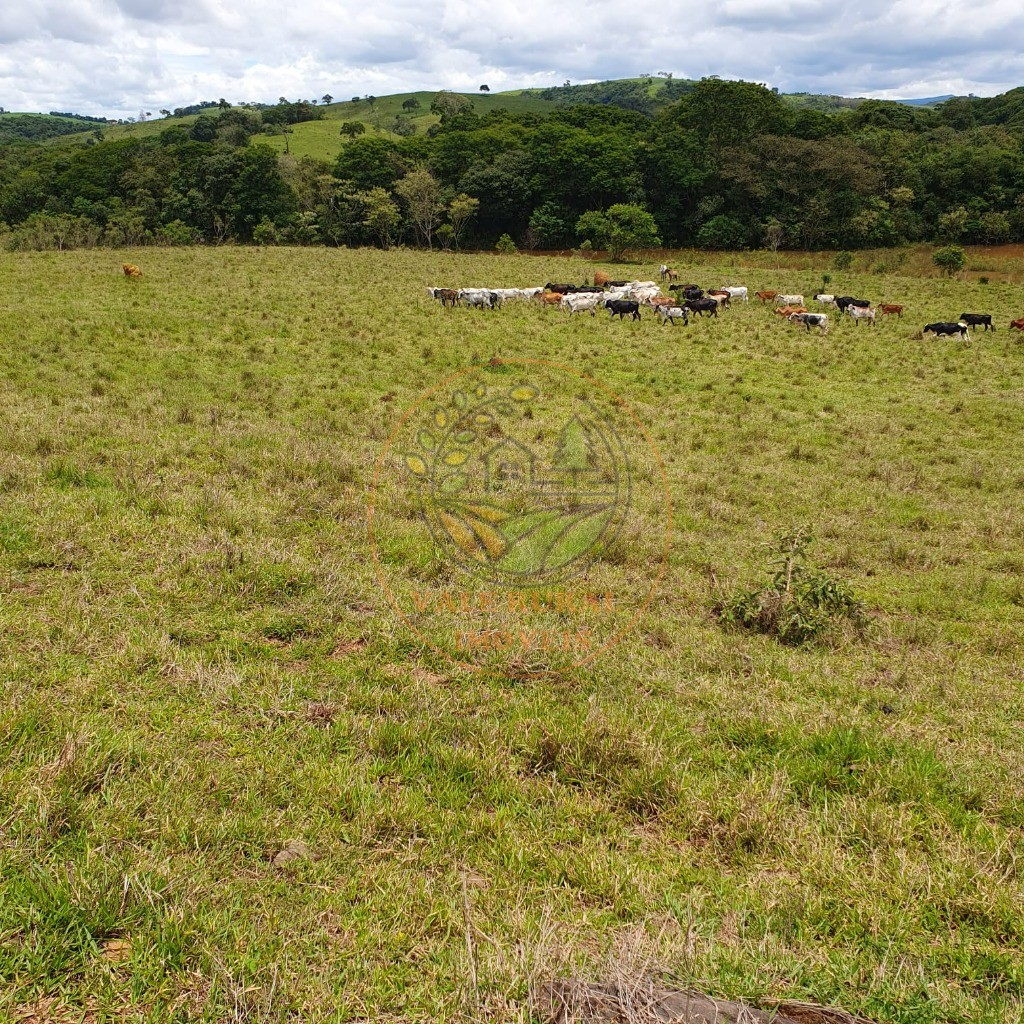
199, 668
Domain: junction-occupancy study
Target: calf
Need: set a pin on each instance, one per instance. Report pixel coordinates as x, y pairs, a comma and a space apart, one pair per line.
448, 296
1017, 325
947, 330
890, 308
810, 320
621, 307
721, 297
765, 296
550, 298
978, 320
670, 314
825, 300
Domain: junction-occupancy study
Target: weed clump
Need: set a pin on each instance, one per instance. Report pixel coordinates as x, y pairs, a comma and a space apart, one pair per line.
800, 604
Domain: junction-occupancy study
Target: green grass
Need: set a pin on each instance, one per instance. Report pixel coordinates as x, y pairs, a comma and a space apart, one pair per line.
199, 666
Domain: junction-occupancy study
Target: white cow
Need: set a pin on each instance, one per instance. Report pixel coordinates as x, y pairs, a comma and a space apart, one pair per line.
825, 300
810, 320
577, 302
670, 314
861, 313
483, 298
789, 300
737, 292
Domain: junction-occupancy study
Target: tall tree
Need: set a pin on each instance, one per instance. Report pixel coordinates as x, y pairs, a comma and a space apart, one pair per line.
421, 192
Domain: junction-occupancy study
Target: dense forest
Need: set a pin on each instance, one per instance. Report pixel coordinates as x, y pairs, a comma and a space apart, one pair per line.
726, 165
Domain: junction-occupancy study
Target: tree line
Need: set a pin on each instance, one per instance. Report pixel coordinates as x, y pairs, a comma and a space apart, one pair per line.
728, 165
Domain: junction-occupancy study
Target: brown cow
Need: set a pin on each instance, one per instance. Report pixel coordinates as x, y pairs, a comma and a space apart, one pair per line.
1017, 325
722, 298
790, 310
765, 296
130, 270
600, 278
550, 298
662, 300
888, 308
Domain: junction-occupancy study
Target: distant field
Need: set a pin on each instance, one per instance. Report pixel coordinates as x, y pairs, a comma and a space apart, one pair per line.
199, 667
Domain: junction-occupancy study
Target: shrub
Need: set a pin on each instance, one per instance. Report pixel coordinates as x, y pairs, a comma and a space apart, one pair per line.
505, 245
950, 259
843, 260
799, 604
266, 233
177, 233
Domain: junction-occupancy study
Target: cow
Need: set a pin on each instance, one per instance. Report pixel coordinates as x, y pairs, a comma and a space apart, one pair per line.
600, 278
581, 303
810, 320
448, 296
789, 300
765, 296
1017, 325
643, 293
702, 306
616, 284
859, 313
550, 298
667, 273
978, 320
843, 302
736, 292
670, 314
891, 309
825, 300
479, 298
690, 292
790, 310
561, 288
946, 329
722, 298
660, 300
130, 270
620, 307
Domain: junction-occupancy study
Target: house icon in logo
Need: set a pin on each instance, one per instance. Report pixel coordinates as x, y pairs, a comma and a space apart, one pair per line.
509, 466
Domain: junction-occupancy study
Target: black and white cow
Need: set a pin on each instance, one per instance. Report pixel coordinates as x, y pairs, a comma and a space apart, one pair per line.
946, 330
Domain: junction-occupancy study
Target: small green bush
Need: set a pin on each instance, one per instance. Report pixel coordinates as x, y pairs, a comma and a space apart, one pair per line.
799, 604
950, 259
506, 246
843, 260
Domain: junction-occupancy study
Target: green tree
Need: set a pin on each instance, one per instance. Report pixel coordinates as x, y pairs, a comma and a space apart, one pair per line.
327, 99
506, 246
352, 129
722, 232
621, 227
952, 225
950, 259
460, 211
411, 103
447, 103
421, 193
382, 215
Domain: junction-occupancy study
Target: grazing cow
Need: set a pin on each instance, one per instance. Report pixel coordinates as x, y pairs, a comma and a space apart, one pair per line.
736, 292
765, 296
600, 278
790, 310
890, 309
859, 313
670, 314
130, 270
721, 297
580, 303
620, 307
1017, 325
789, 300
978, 320
825, 300
810, 320
702, 306
946, 329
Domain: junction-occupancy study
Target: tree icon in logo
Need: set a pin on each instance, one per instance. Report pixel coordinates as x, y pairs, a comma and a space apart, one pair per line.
520, 485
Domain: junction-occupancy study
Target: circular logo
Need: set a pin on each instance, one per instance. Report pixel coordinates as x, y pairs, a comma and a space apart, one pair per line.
519, 513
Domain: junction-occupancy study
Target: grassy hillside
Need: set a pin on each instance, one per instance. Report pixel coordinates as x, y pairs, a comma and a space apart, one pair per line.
41, 127
233, 785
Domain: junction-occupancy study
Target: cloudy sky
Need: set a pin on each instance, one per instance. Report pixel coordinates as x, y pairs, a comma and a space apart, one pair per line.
117, 57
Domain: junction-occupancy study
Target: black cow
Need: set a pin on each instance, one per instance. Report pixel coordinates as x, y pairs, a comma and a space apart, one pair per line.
617, 284
560, 288
702, 306
842, 301
978, 320
942, 330
620, 307
692, 293
579, 289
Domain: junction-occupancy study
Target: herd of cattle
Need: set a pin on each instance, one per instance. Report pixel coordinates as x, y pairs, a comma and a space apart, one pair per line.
626, 298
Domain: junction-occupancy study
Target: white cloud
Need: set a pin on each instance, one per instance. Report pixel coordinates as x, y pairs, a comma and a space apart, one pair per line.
116, 57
